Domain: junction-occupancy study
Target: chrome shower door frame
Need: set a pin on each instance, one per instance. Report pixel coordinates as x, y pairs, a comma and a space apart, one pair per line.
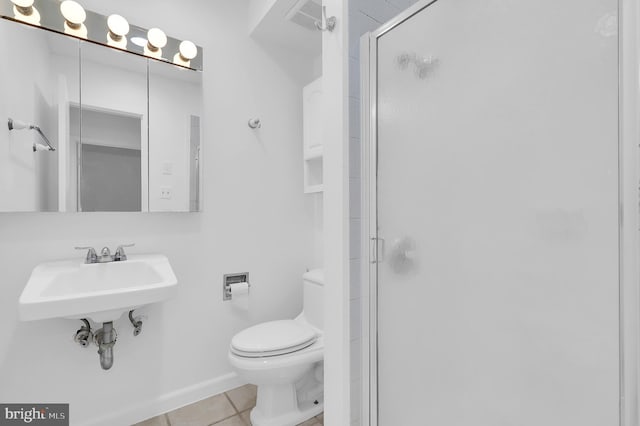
628, 203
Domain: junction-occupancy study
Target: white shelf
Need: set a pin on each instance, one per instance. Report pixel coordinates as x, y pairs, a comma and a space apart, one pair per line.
314, 152
313, 189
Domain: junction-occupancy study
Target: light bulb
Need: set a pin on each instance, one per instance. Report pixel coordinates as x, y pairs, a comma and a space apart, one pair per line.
24, 7
24, 11
118, 30
156, 40
187, 52
74, 16
73, 13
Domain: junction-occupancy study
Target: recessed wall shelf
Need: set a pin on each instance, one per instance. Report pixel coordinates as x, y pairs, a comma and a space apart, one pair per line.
313, 152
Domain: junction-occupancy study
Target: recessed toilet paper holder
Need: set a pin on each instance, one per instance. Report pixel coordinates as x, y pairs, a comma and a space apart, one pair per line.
231, 279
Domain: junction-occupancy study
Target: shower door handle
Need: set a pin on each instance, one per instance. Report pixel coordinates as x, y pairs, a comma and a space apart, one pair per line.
377, 250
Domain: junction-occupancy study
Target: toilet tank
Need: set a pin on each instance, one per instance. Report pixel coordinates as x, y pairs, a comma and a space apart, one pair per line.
313, 282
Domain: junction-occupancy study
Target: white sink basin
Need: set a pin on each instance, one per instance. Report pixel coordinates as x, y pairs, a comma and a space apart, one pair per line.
100, 291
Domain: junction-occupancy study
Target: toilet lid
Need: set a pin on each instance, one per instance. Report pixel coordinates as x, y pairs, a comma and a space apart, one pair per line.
273, 338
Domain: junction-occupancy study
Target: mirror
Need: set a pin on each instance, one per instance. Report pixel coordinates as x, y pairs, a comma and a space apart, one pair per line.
114, 121
126, 129
39, 84
175, 108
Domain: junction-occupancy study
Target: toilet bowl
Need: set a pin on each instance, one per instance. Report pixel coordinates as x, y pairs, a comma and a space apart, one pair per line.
284, 359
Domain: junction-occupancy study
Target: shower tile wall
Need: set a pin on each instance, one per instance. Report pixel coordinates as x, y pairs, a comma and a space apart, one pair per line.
364, 16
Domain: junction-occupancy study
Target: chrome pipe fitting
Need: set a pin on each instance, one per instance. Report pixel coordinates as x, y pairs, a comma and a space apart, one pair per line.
106, 338
136, 323
84, 336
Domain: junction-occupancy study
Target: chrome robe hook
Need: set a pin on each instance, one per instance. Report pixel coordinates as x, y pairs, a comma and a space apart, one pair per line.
255, 123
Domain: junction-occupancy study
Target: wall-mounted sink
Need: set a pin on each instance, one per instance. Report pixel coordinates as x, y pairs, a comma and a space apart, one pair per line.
99, 291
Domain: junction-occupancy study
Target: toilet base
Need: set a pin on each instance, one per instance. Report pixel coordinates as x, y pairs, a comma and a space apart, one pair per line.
277, 405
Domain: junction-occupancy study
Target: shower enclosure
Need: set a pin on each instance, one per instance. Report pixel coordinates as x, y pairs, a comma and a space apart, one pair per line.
492, 170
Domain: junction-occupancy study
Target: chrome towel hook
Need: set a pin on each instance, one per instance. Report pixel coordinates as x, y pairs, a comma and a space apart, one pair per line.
329, 23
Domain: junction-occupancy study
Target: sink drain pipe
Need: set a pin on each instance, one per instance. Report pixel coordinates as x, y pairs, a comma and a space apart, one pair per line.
105, 339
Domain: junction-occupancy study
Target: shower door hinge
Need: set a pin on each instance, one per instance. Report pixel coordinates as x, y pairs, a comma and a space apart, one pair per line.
376, 250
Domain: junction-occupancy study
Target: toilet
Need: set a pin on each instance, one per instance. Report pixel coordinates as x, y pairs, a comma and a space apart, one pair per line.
284, 359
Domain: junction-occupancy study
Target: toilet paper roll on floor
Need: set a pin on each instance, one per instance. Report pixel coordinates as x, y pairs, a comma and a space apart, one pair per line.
240, 296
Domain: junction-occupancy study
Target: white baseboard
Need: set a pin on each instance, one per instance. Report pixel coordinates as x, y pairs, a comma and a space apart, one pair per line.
143, 410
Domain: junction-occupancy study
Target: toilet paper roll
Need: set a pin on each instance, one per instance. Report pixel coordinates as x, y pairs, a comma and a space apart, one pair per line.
240, 296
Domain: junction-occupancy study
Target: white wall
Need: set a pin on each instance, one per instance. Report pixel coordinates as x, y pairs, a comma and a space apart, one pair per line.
335, 92
257, 11
364, 16
269, 25
255, 219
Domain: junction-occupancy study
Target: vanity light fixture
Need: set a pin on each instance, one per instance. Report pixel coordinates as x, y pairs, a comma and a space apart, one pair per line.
156, 40
74, 16
69, 17
188, 51
23, 10
118, 30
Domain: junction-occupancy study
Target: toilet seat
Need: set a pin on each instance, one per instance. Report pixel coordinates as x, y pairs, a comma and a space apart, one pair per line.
273, 338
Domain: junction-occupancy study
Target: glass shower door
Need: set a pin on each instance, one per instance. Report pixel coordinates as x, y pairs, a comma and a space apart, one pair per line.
497, 200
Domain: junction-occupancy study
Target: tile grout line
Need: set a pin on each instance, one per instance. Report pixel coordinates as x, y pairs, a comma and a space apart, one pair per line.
225, 419
237, 413
248, 410
231, 402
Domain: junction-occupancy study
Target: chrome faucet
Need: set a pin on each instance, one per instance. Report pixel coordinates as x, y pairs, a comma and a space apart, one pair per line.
120, 254
92, 257
105, 254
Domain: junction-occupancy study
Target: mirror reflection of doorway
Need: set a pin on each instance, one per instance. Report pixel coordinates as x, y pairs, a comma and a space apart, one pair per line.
108, 159
110, 179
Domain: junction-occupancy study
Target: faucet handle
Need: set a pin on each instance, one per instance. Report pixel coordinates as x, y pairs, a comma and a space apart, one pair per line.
92, 257
120, 254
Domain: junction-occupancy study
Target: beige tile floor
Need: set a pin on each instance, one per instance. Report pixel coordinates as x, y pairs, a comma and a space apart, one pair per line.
230, 408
